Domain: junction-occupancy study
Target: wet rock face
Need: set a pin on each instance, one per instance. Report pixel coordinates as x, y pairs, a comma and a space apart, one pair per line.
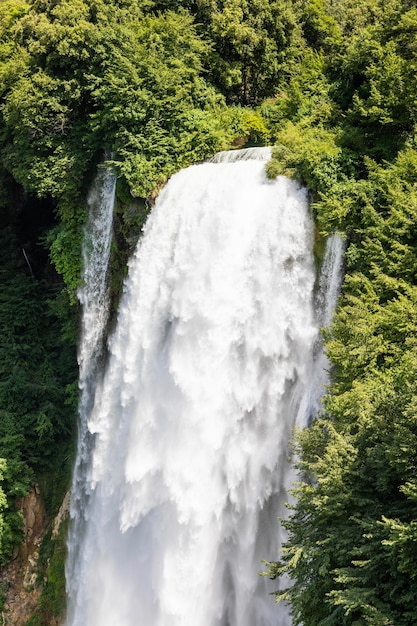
19, 578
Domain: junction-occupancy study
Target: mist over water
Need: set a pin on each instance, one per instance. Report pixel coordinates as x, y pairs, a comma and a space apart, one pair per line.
212, 363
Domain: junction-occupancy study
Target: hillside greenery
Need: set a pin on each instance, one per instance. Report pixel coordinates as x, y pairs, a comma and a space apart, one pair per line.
150, 86
346, 127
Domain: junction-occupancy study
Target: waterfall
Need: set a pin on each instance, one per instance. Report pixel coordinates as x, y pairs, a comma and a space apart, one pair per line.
94, 300
209, 368
246, 154
331, 275
330, 279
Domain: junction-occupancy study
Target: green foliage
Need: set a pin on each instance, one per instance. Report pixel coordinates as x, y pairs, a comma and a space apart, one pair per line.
311, 153
37, 421
105, 76
10, 521
348, 104
254, 45
52, 576
245, 126
345, 125
152, 102
320, 29
65, 242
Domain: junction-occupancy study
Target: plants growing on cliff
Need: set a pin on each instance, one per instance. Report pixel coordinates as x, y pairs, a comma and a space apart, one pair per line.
352, 531
36, 365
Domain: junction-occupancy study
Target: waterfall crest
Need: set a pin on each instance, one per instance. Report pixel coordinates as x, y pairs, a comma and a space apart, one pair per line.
246, 154
210, 367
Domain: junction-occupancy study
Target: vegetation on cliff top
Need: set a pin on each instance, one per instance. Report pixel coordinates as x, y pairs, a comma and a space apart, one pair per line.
153, 85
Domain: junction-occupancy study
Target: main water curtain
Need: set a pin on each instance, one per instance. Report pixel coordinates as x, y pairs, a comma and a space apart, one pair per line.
210, 367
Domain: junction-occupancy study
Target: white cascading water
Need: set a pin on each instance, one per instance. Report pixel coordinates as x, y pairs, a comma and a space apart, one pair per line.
94, 300
330, 280
210, 367
325, 300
